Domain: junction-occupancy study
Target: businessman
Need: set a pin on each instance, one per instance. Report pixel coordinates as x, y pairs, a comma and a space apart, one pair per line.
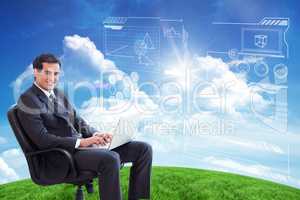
50, 121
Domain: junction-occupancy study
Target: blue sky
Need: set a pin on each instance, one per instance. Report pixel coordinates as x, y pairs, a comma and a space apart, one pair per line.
32, 27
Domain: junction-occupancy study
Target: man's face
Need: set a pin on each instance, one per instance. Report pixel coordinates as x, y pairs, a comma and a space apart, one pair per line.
48, 76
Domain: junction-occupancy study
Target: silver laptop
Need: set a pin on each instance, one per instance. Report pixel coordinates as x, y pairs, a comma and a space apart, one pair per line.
122, 134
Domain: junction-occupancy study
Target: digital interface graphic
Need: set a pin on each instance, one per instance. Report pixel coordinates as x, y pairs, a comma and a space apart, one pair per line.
196, 102
142, 42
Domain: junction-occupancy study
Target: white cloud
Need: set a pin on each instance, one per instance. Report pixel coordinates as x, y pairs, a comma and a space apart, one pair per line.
7, 173
233, 91
95, 113
14, 158
13, 165
256, 145
225, 163
84, 49
257, 170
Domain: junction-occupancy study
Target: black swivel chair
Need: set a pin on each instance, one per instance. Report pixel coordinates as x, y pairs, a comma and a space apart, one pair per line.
32, 155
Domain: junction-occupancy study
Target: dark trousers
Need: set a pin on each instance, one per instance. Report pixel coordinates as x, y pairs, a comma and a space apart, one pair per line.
107, 164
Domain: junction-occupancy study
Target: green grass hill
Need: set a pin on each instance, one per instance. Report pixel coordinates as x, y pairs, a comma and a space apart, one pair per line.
168, 183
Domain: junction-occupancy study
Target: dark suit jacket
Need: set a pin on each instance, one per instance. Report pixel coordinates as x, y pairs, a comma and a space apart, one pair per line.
49, 128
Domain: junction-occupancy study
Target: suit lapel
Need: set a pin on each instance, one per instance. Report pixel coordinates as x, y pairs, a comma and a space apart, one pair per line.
41, 95
63, 113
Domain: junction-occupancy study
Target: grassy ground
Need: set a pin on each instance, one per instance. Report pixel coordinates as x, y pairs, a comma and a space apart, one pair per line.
168, 183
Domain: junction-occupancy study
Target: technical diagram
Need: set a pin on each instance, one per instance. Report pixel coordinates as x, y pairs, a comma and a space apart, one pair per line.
266, 38
142, 43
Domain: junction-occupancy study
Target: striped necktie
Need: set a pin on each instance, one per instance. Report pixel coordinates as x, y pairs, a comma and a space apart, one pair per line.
52, 97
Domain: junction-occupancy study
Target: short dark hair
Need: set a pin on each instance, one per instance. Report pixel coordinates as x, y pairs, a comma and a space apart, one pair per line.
44, 58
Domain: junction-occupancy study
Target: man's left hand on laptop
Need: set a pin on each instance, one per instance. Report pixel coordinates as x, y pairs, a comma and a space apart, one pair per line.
106, 136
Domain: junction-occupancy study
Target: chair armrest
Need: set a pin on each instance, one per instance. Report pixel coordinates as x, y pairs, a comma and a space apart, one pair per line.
63, 151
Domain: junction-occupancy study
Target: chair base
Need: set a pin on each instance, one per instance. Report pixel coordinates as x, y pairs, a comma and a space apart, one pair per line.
79, 193
89, 187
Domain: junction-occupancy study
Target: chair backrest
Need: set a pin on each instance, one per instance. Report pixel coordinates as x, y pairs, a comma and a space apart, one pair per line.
25, 143
28, 147
22, 138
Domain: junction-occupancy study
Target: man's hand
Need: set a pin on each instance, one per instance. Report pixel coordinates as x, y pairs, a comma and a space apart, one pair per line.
107, 136
99, 140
